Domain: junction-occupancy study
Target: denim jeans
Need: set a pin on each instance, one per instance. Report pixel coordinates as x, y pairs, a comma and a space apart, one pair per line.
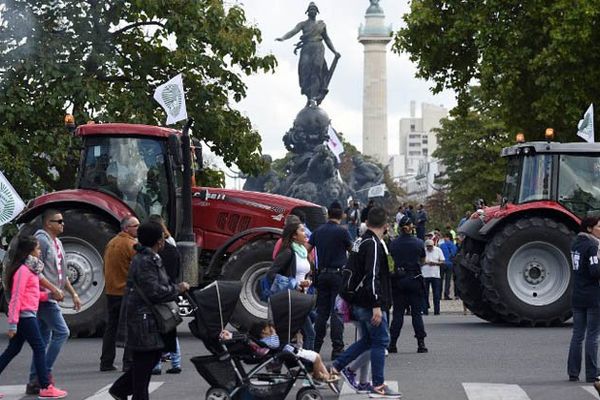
175, 357
586, 324
54, 331
28, 330
376, 339
362, 362
328, 286
407, 291
436, 287
447, 274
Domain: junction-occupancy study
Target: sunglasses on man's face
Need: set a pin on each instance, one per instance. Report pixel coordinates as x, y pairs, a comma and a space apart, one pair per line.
58, 221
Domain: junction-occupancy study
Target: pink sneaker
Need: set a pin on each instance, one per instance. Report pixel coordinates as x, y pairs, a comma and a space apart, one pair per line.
52, 392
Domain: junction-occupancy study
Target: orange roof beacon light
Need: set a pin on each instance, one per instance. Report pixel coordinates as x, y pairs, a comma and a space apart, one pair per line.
70, 122
549, 135
520, 137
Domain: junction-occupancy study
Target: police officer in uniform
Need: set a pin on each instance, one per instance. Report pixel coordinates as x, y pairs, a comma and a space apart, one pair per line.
408, 253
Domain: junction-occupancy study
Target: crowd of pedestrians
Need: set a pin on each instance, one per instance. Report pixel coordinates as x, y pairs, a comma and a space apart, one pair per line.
402, 264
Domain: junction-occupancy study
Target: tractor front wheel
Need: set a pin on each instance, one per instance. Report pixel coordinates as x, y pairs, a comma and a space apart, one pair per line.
526, 273
249, 264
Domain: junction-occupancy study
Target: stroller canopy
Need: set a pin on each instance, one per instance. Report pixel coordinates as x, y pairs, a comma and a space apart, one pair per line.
216, 303
289, 310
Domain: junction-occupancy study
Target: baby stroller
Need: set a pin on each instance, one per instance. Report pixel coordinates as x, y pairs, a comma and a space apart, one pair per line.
235, 370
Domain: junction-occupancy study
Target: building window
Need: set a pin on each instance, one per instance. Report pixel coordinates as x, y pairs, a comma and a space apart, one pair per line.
412, 127
414, 144
425, 152
414, 153
425, 140
414, 136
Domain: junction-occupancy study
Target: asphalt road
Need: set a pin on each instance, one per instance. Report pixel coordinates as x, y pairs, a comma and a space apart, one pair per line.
467, 359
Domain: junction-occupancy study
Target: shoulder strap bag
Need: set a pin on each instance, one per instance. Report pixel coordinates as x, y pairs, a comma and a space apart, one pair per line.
166, 314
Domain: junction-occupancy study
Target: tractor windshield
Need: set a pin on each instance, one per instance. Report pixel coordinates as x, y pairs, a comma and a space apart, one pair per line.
579, 183
132, 169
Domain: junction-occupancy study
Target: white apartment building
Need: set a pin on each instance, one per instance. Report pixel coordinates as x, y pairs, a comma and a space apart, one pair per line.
414, 168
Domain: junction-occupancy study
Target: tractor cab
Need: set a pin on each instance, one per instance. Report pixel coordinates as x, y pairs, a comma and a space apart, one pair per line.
566, 173
140, 165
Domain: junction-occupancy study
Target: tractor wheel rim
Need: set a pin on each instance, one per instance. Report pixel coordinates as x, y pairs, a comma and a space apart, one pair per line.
538, 273
85, 271
250, 295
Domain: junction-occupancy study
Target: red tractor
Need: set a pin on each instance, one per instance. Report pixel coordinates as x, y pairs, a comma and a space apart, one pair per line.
137, 169
515, 263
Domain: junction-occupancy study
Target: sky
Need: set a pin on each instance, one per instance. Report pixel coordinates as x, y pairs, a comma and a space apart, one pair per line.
274, 99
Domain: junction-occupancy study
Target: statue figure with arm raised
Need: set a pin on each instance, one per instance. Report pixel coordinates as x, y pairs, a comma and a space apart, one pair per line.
313, 72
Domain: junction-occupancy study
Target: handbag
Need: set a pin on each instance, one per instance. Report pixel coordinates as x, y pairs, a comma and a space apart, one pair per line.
166, 314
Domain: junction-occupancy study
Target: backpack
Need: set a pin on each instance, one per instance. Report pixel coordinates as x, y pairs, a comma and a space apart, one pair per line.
353, 275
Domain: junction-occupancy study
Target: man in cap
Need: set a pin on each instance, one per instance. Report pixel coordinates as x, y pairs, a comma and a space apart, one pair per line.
331, 242
434, 259
408, 253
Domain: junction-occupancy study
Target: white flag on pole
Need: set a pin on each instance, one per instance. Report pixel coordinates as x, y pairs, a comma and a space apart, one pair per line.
11, 203
171, 97
377, 191
585, 127
334, 143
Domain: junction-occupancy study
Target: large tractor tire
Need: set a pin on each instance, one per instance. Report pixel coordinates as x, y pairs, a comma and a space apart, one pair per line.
84, 238
249, 264
470, 291
527, 274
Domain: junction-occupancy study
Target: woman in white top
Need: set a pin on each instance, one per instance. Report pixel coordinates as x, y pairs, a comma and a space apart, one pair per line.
292, 262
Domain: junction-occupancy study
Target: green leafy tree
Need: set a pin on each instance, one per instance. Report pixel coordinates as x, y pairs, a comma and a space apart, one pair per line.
536, 60
469, 147
103, 60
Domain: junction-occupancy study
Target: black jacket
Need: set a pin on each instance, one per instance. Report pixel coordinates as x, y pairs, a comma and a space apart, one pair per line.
586, 274
137, 324
284, 264
372, 256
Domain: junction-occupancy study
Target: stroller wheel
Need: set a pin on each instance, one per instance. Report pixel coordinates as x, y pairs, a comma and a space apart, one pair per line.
308, 393
217, 394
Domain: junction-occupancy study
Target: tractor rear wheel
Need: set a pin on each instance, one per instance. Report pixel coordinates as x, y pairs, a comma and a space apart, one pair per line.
84, 238
249, 264
526, 272
470, 291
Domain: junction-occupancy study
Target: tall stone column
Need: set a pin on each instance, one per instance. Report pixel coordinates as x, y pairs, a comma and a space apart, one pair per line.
375, 36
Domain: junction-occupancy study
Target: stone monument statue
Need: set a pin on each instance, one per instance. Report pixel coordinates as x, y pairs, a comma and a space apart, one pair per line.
311, 171
313, 73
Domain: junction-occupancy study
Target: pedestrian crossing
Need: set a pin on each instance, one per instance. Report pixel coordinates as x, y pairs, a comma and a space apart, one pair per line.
472, 390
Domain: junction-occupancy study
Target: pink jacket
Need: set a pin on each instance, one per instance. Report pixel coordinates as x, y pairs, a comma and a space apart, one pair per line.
25, 295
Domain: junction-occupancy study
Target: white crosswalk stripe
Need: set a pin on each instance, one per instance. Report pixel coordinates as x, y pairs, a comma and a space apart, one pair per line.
347, 393
494, 391
12, 392
102, 394
590, 389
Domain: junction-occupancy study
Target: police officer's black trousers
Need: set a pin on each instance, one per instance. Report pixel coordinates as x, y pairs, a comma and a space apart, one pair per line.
407, 291
328, 286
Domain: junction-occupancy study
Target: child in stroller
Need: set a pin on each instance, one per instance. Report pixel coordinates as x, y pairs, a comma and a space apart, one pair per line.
266, 333
234, 369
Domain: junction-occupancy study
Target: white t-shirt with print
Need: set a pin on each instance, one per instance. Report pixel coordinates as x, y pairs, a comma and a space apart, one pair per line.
435, 255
